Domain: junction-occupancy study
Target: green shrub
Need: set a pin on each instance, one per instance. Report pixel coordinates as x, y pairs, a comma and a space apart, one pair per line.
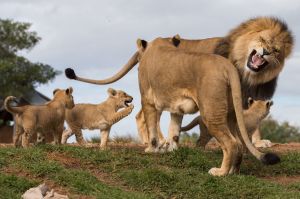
279, 132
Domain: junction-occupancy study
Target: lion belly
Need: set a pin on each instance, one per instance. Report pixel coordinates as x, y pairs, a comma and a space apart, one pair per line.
182, 106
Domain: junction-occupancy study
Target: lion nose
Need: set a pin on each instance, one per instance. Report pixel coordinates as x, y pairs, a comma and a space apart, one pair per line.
265, 52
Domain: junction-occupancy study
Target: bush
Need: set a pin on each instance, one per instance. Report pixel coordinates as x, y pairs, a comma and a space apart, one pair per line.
279, 132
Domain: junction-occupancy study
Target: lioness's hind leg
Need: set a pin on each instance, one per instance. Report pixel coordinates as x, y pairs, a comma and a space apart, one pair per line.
142, 128
204, 137
174, 129
150, 114
229, 145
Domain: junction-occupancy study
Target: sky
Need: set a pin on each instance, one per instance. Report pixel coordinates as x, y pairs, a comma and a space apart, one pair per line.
97, 37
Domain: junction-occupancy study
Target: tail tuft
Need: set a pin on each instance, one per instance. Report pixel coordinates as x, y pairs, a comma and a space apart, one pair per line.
70, 73
270, 159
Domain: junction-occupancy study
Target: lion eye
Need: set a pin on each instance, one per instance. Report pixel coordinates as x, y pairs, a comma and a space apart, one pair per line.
276, 50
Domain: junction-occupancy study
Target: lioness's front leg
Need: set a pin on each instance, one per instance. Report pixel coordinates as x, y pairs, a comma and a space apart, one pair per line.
217, 124
174, 130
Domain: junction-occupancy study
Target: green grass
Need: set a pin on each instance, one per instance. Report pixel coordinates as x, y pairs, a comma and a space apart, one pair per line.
134, 174
12, 186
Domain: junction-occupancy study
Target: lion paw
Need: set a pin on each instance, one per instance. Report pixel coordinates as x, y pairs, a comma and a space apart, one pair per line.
104, 148
172, 146
217, 172
263, 144
151, 149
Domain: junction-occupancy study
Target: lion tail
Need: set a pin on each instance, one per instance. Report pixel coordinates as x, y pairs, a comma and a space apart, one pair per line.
265, 158
12, 110
191, 125
70, 73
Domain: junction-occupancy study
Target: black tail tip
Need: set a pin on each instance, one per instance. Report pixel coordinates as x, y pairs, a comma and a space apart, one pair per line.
270, 159
70, 73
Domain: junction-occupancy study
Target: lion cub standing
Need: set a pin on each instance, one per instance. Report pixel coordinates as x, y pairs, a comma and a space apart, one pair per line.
256, 112
41, 118
98, 116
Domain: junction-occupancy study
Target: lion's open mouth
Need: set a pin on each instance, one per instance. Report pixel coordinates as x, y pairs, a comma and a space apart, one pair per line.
127, 102
256, 62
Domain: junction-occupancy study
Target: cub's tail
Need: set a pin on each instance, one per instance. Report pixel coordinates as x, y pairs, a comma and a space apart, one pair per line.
12, 110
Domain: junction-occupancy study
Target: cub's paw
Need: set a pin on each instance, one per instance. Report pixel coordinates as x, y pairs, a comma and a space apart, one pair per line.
130, 107
217, 172
263, 144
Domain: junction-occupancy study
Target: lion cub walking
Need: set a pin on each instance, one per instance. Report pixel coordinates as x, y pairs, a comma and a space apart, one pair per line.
98, 116
256, 112
41, 118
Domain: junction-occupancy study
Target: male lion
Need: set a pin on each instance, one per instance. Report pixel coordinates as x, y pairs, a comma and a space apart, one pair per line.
256, 112
257, 48
41, 118
98, 116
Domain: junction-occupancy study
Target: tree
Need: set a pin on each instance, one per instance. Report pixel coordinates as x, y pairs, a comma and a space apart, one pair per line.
279, 132
17, 74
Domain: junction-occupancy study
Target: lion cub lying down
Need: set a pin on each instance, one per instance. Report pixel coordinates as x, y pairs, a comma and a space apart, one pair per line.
41, 118
256, 112
98, 116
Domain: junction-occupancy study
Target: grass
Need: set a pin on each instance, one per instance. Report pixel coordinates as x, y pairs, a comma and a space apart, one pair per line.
130, 173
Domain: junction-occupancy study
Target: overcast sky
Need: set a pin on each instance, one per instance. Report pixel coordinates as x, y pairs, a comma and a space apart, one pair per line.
97, 37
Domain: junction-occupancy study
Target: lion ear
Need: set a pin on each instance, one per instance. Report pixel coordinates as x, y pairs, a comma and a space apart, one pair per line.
250, 101
111, 92
55, 90
176, 40
269, 103
69, 91
141, 44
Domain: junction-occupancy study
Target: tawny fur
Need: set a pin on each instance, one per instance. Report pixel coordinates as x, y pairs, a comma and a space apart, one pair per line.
98, 116
256, 112
193, 75
48, 118
259, 33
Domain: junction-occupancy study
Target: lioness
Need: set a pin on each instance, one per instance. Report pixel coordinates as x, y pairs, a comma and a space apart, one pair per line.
42, 118
98, 116
182, 82
257, 48
256, 112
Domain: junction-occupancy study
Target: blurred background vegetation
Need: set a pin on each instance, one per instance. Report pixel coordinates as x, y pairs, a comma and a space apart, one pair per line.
18, 74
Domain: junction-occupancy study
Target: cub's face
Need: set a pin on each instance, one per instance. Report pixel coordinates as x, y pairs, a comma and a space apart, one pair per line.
260, 107
123, 99
65, 96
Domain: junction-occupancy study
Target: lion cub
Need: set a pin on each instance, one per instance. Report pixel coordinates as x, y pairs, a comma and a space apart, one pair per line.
98, 116
41, 118
256, 112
